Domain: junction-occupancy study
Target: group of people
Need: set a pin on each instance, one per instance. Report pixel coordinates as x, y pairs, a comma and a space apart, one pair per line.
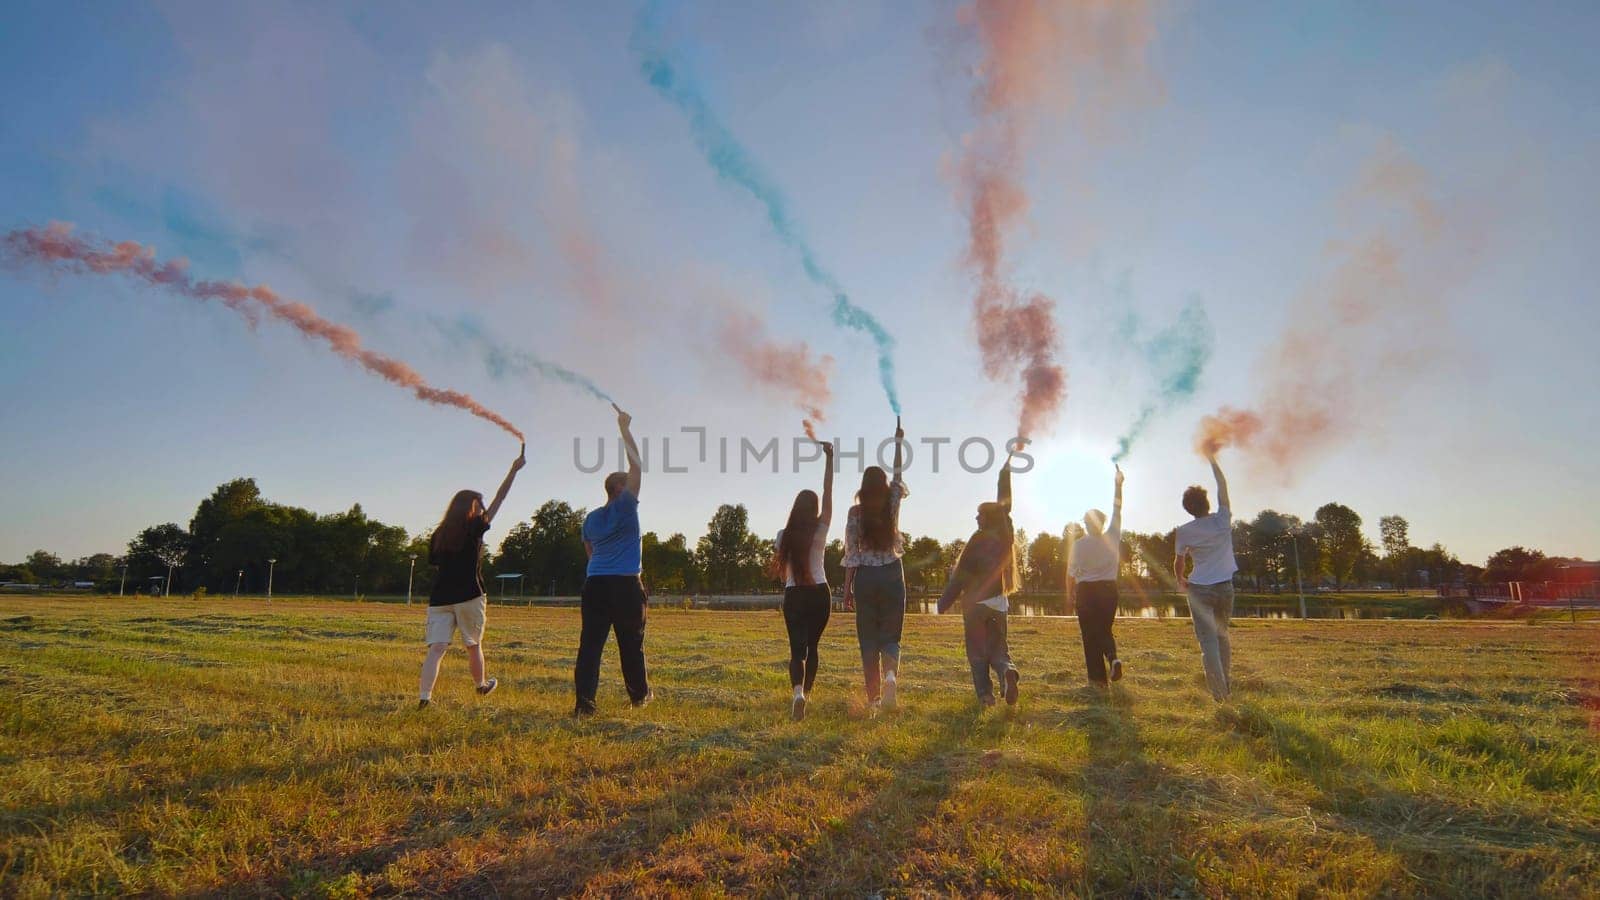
980, 584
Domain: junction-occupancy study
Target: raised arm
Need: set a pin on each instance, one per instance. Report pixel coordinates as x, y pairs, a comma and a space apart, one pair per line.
899, 448
1002, 494
1116, 506
826, 513
635, 469
1222, 485
505, 486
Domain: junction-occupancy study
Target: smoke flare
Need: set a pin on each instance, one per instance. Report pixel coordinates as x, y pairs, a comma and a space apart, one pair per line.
56, 246
734, 164
1031, 53
1177, 355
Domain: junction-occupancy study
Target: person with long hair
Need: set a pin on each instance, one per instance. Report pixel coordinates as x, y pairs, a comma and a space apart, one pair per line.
1207, 539
458, 601
807, 601
1092, 564
613, 594
874, 580
983, 578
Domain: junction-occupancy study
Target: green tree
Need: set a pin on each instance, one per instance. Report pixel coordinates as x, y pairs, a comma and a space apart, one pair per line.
548, 549
1047, 564
669, 565
159, 550
1340, 539
1395, 534
216, 566
1517, 564
922, 558
730, 555
45, 566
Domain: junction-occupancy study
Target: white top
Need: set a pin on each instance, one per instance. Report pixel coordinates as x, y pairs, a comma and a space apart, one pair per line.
819, 544
998, 602
857, 555
1209, 541
1096, 557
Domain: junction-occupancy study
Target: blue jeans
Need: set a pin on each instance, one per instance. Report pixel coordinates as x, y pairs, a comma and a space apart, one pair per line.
1210, 608
880, 617
987, 649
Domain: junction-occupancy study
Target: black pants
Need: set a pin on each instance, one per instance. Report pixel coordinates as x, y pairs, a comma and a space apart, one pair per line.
1097, 610
611, 602
805, 614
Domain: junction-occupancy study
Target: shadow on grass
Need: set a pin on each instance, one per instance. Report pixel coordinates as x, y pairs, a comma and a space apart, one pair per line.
1446, 845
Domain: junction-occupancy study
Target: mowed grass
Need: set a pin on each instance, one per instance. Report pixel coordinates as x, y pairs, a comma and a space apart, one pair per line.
179, 747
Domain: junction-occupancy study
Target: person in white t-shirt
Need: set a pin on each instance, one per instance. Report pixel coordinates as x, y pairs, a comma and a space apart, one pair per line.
1208, 542
806, 599
1093, 561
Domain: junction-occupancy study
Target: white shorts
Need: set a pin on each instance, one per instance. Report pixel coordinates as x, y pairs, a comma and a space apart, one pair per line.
467, 616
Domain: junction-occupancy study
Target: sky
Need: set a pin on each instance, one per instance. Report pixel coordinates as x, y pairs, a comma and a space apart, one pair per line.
400, 166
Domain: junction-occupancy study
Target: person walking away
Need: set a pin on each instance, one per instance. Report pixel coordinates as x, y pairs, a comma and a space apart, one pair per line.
1207, 540
981, 582
1093, 561
458, 601
874, 580
797, 561
613, 595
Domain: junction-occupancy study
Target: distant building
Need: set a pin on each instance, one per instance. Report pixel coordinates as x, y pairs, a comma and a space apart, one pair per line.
1578, 572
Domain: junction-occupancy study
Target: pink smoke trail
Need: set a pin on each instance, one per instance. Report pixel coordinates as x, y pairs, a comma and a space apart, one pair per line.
57, 246
1357, 335
1031, 53
788, 370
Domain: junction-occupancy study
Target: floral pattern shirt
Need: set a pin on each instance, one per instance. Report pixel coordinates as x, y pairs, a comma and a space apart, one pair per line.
855, 554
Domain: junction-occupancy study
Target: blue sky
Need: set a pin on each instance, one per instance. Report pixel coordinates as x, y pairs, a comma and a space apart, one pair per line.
391, 163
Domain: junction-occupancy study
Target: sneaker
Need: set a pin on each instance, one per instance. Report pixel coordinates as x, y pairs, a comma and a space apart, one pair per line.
1012, 677
645, 700
1116, 670
797, 709
424, 703
488, 686
889, 701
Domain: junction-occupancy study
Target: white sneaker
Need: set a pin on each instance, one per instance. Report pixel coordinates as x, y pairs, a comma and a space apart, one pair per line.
889, 692
797, 709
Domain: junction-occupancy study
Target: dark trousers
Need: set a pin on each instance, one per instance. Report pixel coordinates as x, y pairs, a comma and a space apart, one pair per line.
611, 602
880, 617
1097, 610
987, 649
805, 615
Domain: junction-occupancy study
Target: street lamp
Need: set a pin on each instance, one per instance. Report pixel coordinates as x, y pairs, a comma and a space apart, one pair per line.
271, 564
124, 582
237, 582
411, 576
1294, 537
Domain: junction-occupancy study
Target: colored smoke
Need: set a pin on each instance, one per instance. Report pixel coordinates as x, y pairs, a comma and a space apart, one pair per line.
1358, 335
1032, 56
1176, 355
790, 371
56, 246
732, 163
502, 360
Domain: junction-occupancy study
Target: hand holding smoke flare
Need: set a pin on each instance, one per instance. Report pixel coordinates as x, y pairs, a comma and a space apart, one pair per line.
55, 246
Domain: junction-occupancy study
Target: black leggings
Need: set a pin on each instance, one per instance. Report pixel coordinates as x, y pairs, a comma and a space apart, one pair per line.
805, 614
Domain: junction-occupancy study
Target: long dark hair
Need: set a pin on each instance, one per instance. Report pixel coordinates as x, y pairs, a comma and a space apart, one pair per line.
794, 551
451, 535
877, 525
995, 526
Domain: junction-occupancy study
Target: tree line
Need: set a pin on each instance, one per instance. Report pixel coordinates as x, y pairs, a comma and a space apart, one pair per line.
238, 539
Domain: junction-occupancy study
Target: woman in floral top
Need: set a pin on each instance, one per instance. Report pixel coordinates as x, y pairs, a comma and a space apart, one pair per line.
873, 579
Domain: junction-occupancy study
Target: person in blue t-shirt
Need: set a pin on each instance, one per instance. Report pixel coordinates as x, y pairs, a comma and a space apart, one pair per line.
613, 596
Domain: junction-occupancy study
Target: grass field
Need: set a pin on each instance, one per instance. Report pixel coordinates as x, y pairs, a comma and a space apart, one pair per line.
175, 746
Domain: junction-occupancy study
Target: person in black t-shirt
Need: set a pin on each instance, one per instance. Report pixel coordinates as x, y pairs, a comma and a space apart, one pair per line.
458, 600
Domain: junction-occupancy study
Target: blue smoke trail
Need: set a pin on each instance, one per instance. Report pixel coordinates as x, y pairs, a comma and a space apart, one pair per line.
729, 159
502, 361
1176, 355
